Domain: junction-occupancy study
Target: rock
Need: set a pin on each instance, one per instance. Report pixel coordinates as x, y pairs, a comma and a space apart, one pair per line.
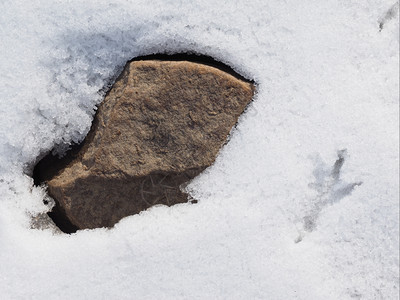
161, 124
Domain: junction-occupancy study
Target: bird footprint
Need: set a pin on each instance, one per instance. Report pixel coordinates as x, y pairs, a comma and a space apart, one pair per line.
330, 189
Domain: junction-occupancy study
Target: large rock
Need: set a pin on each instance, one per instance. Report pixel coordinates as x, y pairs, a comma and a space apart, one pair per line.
161, 124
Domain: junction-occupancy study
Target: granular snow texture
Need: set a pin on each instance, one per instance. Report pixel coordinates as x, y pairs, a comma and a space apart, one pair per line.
302, 203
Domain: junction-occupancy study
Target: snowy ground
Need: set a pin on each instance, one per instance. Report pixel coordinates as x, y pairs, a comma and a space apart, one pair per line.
285, 212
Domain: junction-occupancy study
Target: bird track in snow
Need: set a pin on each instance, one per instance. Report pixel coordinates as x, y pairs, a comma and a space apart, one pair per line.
330, 189
390, 14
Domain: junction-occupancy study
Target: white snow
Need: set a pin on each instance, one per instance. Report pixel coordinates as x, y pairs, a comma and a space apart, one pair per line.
273, 220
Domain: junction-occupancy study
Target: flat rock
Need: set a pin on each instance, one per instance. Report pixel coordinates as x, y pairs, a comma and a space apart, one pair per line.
161, 124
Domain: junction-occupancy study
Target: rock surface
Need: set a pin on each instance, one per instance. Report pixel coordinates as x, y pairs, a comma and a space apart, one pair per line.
161, 124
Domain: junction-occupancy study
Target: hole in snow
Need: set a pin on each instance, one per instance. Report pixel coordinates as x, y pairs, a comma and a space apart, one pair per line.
160, 125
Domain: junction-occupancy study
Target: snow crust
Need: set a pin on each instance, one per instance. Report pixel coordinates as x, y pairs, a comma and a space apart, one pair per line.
280, 215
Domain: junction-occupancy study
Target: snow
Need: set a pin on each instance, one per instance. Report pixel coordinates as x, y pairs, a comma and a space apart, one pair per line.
327, 87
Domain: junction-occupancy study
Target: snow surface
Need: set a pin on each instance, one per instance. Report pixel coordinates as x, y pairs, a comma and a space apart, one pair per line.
302, 203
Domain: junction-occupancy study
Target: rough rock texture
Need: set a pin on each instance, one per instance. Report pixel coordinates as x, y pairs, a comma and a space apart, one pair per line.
161, 124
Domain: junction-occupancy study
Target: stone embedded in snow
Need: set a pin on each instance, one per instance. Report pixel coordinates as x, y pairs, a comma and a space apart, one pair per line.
161, 124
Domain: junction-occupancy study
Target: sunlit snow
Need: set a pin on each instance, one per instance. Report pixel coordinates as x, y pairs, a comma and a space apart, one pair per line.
279, 216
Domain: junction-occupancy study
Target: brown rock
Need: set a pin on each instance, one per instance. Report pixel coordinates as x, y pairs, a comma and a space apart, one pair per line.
161, 124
